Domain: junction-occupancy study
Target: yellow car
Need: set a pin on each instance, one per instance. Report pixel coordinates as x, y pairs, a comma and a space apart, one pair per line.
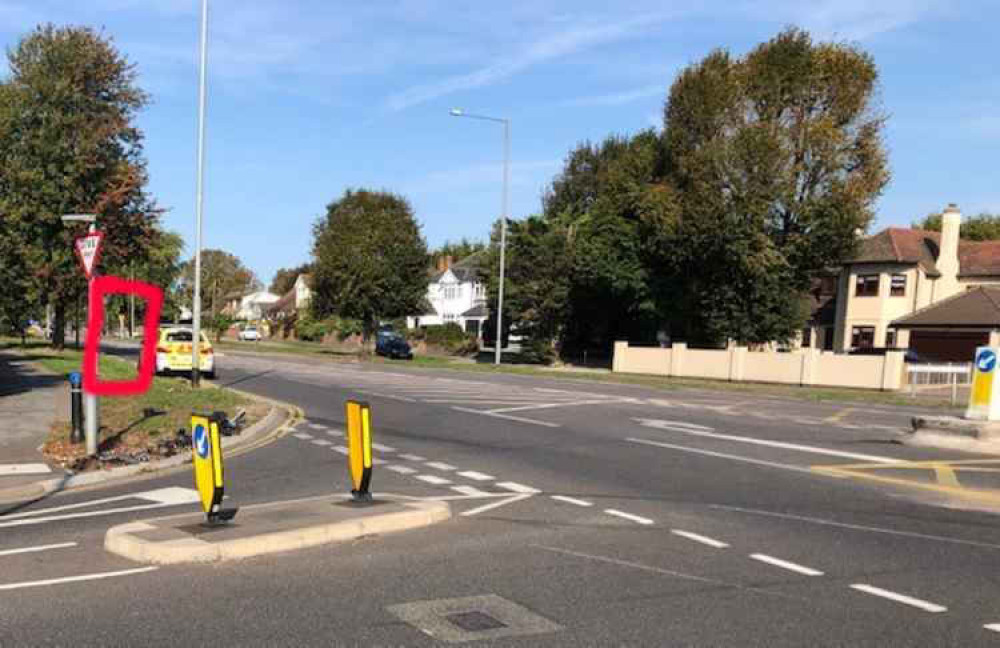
173, 352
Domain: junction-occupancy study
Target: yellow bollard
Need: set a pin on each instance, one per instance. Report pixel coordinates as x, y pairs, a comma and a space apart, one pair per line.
359, 449
206, 452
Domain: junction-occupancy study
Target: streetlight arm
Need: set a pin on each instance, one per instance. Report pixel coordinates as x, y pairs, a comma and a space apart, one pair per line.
482, 117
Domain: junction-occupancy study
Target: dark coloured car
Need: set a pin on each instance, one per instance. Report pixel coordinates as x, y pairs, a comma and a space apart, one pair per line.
392, 345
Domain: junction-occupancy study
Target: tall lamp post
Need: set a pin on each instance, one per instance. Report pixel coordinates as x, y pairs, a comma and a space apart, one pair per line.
200, 201
91, 411
458, 112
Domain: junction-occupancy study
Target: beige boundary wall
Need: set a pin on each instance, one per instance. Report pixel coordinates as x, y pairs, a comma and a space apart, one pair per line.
738, 364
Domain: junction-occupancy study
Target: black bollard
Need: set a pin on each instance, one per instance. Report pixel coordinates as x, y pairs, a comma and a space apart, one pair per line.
76, 393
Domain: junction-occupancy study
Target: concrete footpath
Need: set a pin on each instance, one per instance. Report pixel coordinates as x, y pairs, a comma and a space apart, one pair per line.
31, 400
269, 528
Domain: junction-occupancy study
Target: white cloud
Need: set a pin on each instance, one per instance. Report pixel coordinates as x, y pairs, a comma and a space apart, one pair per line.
620, 98
564, 43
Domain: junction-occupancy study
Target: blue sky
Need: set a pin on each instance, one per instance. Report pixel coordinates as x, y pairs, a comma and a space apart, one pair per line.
309, 97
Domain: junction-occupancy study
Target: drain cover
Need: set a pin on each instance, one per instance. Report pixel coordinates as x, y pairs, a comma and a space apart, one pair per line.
474, 621
472, 618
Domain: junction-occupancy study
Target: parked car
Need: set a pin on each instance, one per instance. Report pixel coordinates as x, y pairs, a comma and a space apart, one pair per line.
392, 345
173, 352
249, 334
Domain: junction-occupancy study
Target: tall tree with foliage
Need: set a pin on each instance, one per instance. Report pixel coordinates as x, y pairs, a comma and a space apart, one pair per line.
369, 259
223, 276
982, 227
778, 159
457, 250
285, 278
69, 144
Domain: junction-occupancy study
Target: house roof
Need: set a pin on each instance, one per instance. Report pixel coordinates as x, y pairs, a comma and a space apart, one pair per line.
479, 310
285, 304
921, 247
975, 308
466, 270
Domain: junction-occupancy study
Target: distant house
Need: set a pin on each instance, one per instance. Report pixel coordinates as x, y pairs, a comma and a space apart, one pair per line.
896, 273
249, 307
295, 300
456, 294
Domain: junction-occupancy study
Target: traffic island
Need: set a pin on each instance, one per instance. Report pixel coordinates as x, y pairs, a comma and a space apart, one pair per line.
269, 528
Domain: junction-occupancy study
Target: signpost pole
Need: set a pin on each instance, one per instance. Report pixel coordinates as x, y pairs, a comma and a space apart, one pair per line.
91, 407
88, 250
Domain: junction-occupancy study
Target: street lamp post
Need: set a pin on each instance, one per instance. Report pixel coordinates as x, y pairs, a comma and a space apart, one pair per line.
91, 410
200, 201
458, 112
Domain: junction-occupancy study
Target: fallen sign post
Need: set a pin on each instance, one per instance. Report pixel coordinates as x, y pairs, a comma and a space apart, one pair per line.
206, 451
359, 450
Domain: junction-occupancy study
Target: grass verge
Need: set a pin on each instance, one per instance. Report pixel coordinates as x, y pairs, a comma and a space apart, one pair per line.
134, 425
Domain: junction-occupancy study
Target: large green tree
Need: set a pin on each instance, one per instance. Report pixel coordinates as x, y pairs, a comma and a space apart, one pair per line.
369, 259
69, 144
285, 278
778, 159
982, 227
223, 277
457, 250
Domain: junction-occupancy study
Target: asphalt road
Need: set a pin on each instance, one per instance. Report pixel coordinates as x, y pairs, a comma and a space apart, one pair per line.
585, 514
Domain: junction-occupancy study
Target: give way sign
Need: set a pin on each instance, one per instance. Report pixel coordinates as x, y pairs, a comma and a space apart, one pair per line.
88, 250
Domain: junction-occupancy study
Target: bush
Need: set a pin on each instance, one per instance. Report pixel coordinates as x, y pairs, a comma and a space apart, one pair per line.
537, 351
310, 330
449, 337
345, 327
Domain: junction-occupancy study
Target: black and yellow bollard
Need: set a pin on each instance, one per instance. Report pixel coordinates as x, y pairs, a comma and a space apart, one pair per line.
359, 449
206, 450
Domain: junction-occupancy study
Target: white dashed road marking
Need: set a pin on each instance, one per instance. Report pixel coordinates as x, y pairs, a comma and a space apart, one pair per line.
433, 479
412, 457
518, 488
341, 449
402, 470
468, 490
302, 435
705, 540
571, 500
437, 465
383, 448
476, 476
784, 564
899, 598
317, 426
995, 627
322, 442
76, 579
335, 433
6, 470
11, 552
628, 516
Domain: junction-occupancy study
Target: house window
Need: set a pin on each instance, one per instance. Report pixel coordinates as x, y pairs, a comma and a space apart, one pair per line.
479, 291
890, 338
449, 291
866, 286
472, 327
827, 338
898, 286
807, 337
863, 337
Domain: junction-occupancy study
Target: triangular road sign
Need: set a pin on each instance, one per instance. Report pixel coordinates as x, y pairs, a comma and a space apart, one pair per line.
88, 250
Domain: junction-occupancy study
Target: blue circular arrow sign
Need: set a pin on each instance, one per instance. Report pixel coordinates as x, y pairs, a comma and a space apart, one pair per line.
986, 361
200, 440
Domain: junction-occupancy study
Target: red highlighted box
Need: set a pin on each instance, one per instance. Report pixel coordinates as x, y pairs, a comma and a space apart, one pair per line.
92, 347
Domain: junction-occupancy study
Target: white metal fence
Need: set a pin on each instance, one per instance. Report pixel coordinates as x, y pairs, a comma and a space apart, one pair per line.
931, 376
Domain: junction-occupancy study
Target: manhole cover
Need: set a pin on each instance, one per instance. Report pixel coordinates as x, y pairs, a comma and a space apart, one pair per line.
474, 621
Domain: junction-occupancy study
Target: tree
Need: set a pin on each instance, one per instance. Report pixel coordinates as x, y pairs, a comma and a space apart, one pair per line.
457, 250
284, 278
223, 275
68, 144
370, 260
983, 227
778, 160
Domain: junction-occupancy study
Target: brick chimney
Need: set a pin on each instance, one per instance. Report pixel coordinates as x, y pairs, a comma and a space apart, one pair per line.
947, 261
440, 264
448, 261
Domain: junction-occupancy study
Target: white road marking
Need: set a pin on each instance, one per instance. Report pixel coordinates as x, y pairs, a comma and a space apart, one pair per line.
402, 470
163, 496
628, 516
390, 396
539, 406
61, 545
468, 490
705, 540
341, 449
7, 470
433, 479
995, 627
490, 507
518, 488
507, 417
412, 457
784, 564
899, 598
335, 433
302, 435
680, 424
316, 426
476, 476
855, 527
722, 455
378, 462
571, 500
653, 423
437, 465
322, 442
76, 579
383, 448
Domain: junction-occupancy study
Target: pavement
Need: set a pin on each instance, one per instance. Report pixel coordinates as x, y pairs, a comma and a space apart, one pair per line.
583, 514
31, 401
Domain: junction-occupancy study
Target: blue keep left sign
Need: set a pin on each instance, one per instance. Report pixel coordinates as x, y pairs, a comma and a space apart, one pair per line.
986, 361
200, 440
